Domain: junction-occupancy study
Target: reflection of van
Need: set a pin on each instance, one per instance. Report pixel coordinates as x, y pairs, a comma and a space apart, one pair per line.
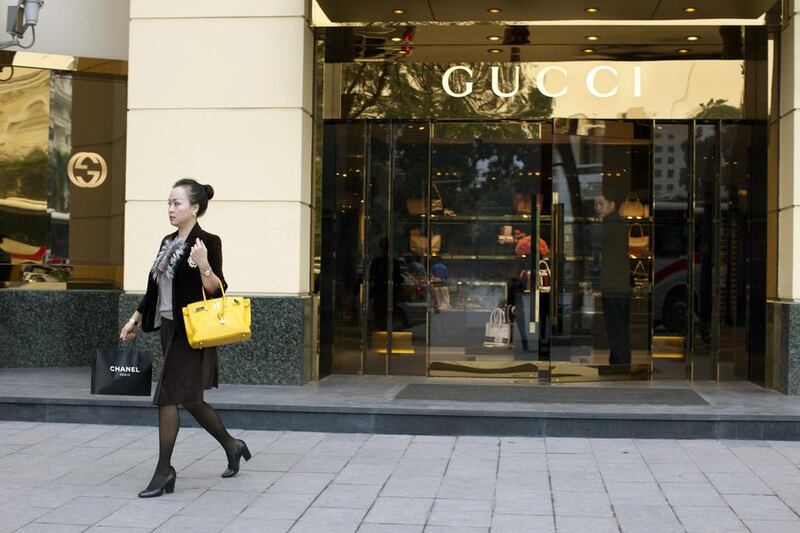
25, 224
671, 279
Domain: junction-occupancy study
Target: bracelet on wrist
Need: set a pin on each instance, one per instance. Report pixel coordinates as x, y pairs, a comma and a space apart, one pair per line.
207, 273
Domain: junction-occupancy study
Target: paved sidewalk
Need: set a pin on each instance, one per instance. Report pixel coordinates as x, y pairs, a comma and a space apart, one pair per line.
71, 477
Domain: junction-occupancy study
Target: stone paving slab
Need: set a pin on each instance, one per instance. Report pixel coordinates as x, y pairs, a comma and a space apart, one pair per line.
85, 478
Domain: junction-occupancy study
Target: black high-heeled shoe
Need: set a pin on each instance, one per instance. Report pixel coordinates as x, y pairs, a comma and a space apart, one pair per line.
233, 465
168, 486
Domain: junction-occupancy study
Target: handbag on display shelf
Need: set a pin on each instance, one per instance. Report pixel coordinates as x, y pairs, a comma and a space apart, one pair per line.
497, 333
638, 245
217, 321
419, 242
543, 276
522, 203
632, 207
416, 206
506, 235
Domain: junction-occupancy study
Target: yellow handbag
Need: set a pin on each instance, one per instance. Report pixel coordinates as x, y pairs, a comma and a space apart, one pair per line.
217, 321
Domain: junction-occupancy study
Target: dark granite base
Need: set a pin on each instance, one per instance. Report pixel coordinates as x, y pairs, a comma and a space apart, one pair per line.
432, 422
783, 346
279, 352
55, 328
65, 328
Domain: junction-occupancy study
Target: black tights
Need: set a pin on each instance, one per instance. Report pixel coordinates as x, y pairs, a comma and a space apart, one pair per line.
169, 422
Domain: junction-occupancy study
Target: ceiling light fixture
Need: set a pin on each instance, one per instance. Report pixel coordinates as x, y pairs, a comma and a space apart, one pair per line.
591, 10
398, 11
397, 39
683, 50
588, 50
494, 38
690, 9
592, 37
494, 10
692, 38
494, 50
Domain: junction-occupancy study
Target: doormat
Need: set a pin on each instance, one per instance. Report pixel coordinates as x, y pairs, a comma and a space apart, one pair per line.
544, 394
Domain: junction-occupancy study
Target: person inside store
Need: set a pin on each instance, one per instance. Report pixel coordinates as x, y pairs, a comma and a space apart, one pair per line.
379, 285
5, 263
615, 278
439, 288
189, 261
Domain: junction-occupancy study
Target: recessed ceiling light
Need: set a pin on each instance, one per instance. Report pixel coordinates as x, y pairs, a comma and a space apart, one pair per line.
494, 50
398, 11
397, 39
494, 38
592, 37
588, 50
591, 10
403, 52
494, 10
692, 38
683, 50
690, 9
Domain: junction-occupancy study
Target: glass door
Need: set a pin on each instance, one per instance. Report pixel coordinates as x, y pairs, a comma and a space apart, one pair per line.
484, 249
600, 204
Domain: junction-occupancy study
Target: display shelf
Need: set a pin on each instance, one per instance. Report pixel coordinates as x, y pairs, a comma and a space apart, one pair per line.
519, 219
595, 220
481, 257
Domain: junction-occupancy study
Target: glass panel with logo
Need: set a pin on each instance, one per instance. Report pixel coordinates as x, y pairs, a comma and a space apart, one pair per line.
62, 178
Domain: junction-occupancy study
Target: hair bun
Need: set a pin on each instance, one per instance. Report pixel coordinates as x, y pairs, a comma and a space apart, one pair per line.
209, 191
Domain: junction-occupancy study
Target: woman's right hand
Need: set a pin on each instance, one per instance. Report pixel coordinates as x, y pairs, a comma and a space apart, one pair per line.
128, 331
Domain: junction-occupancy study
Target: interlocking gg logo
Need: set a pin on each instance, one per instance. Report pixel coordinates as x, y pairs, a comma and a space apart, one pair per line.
87, 170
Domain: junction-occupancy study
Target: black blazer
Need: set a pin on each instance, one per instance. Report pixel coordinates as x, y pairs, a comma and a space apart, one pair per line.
187, 284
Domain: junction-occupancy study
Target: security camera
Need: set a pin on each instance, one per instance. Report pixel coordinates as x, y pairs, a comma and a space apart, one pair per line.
20, 17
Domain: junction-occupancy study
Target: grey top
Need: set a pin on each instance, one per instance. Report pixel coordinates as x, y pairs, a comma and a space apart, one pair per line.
165, 297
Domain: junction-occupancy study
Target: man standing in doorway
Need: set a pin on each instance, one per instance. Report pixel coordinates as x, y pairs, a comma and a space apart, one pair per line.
615, 282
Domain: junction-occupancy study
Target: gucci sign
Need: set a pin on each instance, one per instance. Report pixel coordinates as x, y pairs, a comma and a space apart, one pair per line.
87, 170
551, 81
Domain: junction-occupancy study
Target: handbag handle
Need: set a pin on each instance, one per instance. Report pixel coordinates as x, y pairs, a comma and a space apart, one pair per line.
202, 288
637, 225
546, 266
497, 317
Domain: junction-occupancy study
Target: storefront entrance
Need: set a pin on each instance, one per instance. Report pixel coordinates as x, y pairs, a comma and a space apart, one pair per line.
556, 250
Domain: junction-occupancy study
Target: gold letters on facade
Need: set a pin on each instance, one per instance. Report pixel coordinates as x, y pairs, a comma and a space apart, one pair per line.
553, 89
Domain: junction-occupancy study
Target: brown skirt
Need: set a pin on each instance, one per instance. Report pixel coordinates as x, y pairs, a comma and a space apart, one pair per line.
187, 372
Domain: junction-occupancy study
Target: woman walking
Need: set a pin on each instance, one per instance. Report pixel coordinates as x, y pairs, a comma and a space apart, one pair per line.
188, 261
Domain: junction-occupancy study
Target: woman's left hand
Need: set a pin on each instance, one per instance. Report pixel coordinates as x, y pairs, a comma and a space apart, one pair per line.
199, 254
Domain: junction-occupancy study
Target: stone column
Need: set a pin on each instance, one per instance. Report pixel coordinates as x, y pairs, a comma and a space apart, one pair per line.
221, 91
784, 221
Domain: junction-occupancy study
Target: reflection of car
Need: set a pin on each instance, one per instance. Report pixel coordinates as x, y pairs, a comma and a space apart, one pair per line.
35, 273
412, 303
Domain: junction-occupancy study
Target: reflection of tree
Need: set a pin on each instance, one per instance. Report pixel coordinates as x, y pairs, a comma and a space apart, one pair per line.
414, 90
718, 109
24, 177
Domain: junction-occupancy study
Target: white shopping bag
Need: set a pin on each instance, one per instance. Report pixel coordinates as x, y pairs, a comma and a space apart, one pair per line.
498, 330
